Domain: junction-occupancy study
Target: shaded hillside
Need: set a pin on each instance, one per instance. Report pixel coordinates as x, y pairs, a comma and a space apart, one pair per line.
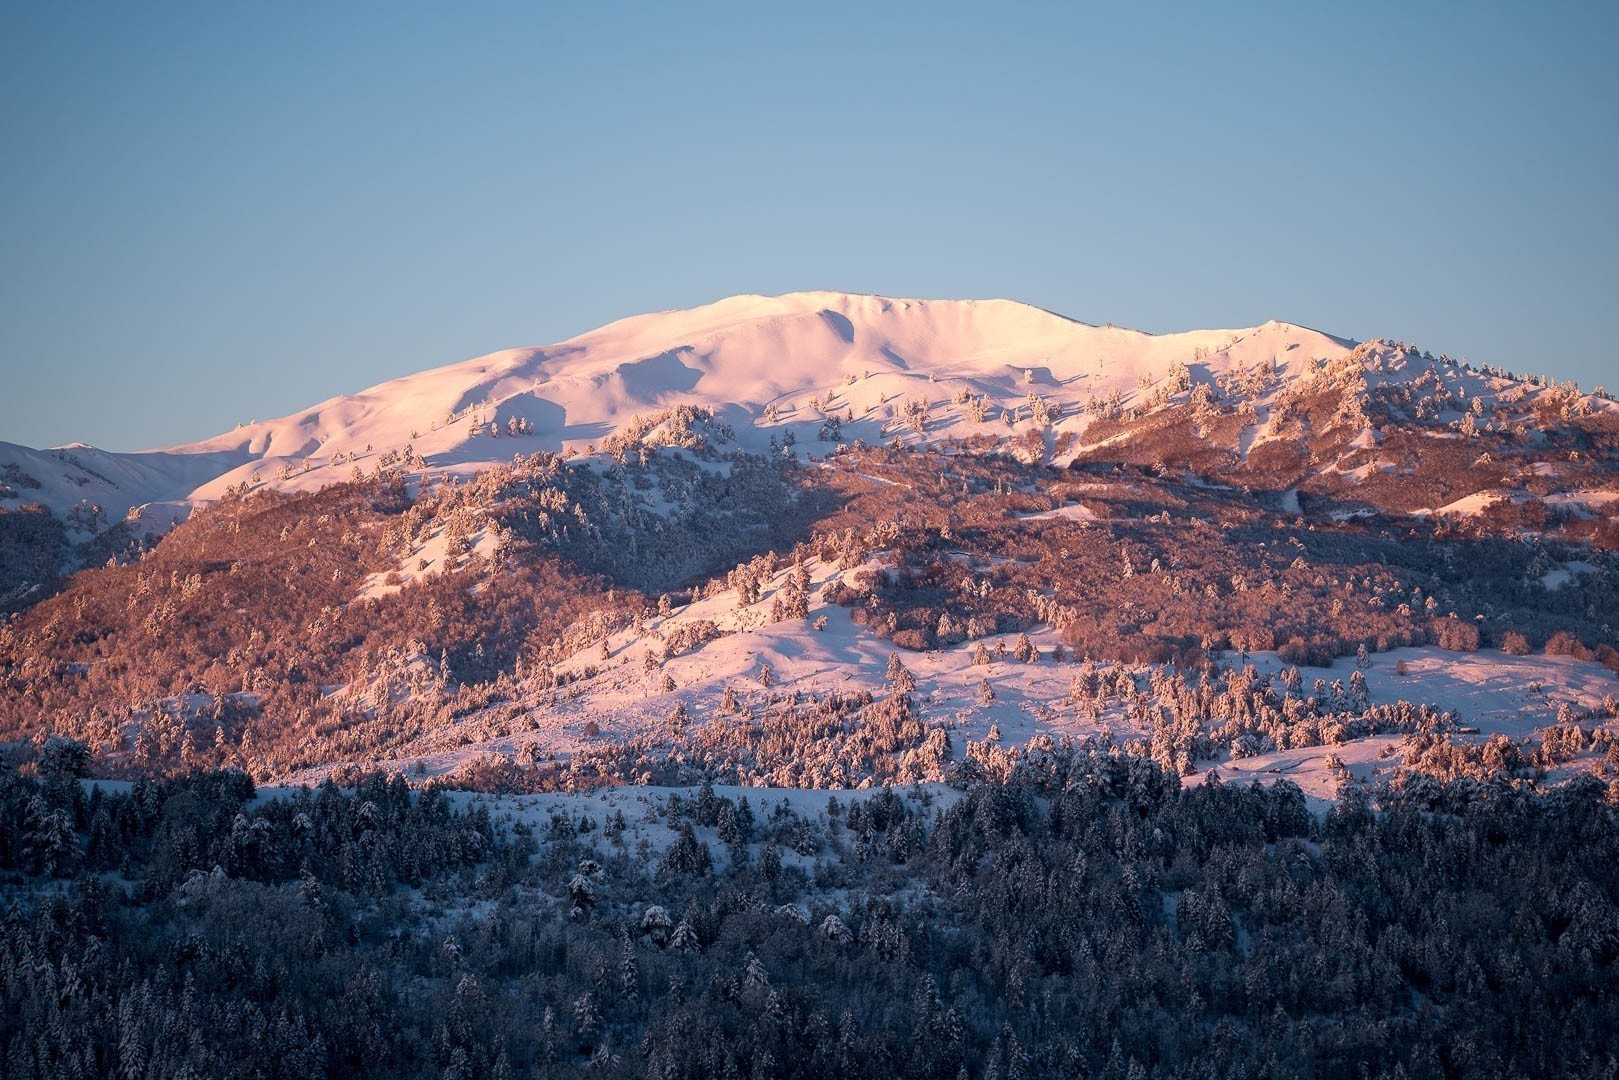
1089, 917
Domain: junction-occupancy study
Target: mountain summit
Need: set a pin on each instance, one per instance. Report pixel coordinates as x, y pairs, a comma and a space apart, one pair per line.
766, 366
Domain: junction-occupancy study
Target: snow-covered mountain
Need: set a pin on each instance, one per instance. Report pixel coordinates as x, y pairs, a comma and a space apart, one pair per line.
757, 361
768, 367
1109, 495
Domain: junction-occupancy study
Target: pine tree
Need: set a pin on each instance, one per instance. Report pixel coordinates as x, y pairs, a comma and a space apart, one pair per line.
587, 1019
707, 804
656, 925
628, 973
684, 939
581, 896
49, 837
754, 976
131, 1046
770, 862
686, 858
899, 678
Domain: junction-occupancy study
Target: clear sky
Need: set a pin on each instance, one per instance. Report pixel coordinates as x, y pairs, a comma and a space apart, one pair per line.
222, 211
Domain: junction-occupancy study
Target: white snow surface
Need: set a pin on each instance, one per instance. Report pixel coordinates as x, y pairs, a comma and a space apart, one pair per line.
756, 360
766, 365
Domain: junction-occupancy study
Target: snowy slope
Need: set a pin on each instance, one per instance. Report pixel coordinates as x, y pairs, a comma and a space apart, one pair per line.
617, 698
756, 360
765, 365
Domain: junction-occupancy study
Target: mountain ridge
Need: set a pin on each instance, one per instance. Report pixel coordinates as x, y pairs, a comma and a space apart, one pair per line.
807, 370
603, 377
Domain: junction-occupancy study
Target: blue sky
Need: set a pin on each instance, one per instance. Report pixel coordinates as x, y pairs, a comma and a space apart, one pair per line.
216, 212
